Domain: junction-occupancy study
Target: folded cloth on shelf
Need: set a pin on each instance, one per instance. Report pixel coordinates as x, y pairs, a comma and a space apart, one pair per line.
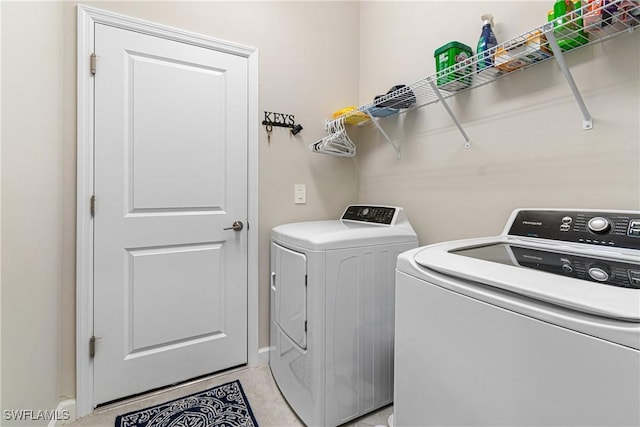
382, 112
399, 96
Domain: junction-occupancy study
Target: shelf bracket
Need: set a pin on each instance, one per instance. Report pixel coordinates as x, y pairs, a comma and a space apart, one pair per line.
375, 122
587, 120
467, 143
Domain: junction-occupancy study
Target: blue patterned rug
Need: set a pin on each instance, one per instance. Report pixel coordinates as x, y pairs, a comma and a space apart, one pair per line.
223, 406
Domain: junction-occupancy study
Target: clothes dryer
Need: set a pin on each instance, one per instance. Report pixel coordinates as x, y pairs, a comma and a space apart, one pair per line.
539, 326
332, 312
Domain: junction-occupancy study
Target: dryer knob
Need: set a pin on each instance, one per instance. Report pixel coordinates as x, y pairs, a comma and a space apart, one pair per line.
599, 273
599, 225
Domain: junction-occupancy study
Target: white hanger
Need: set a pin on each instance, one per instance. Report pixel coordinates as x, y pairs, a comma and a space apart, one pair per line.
337, 143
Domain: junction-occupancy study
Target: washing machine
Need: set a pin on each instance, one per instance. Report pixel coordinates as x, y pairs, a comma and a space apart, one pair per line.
332, 312
539, 326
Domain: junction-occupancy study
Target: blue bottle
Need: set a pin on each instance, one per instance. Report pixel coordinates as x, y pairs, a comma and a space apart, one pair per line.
486, 43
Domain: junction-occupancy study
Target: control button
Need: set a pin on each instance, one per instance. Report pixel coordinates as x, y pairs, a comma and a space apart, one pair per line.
565, 227
567, 220
365, 211
599, 225
566, 265
599, 273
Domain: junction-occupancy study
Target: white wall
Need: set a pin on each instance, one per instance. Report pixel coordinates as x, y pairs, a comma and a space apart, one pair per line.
528, 146
0, 211
301, 73
31, 205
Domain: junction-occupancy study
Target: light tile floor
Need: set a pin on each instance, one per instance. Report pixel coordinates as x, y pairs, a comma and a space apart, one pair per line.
268, 405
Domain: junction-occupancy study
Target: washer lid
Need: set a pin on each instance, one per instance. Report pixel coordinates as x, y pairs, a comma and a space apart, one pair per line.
338, 234
511, 269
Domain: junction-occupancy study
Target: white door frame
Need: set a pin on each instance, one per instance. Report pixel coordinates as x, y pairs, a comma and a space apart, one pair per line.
87, 18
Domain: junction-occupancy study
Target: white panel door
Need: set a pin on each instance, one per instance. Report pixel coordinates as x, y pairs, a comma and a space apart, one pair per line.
170, 285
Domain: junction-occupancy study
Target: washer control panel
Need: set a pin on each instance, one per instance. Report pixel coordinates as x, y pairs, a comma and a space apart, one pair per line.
371, 214
601, 228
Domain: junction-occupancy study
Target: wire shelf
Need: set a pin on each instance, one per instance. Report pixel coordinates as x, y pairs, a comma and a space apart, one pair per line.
590, 24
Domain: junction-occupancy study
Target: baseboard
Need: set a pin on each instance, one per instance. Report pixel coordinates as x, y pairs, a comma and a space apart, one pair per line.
65, 413
263, 356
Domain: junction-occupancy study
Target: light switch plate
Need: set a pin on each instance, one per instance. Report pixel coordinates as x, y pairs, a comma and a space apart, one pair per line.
299, 194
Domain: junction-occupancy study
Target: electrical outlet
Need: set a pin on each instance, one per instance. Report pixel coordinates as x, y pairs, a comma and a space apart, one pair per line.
299, 194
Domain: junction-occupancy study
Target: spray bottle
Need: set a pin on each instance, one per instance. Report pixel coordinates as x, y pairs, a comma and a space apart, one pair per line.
486, 43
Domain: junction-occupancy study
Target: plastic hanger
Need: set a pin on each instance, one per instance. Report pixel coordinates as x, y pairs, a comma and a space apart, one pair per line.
337, 143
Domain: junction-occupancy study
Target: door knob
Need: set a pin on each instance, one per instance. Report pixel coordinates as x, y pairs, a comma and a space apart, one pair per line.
237, 226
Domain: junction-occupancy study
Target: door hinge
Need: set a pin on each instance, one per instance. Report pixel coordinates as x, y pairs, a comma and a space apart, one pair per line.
93, 206
305, 326
92, 347
306, 280
92, 63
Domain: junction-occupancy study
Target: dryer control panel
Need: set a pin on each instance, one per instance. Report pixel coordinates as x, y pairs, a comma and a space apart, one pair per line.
603, 228
384, 215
